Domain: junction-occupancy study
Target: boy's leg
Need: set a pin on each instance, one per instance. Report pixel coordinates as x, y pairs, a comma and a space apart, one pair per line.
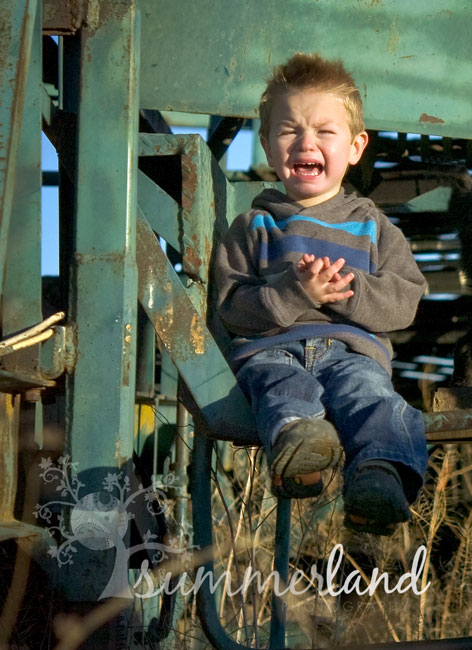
383, 438
373, 421
280, 389
286, 400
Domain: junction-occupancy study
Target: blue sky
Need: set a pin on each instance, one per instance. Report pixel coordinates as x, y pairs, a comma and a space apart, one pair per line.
238, 157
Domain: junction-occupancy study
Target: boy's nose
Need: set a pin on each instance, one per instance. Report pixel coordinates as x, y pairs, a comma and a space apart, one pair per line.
307, 142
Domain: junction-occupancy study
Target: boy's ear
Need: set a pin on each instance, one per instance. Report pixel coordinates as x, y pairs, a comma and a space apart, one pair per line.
357, 147
266, 147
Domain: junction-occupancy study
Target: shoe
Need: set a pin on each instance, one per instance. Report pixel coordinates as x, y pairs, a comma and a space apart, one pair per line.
302, 447
374, 500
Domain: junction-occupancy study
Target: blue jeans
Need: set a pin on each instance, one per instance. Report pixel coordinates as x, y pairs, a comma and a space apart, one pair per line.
321, 377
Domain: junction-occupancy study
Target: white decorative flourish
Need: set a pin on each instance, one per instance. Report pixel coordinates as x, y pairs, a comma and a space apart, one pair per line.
99, 520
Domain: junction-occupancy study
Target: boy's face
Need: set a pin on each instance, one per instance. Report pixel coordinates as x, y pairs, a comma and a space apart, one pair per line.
310, 144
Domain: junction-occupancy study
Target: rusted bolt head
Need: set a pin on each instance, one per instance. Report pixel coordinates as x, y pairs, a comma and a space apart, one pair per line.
33, 395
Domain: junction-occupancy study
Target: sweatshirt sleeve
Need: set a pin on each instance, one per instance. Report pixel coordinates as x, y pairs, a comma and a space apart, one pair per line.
387, 299
248, 303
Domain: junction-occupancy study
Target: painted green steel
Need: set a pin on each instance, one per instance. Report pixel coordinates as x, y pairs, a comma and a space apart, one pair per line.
21, 302
18, 18
103, 283
160, 209
104, 280
411, 60
189, 344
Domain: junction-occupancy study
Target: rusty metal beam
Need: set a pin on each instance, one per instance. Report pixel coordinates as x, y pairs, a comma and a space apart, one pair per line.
66, 17
449, 426
189, 343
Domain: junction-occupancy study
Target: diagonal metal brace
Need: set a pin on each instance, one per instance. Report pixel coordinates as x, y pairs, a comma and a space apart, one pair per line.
190, 344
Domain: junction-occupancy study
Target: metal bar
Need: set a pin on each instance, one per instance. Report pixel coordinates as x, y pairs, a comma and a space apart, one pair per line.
152, 122
60, 16
160, 210
221, 134
189, 343
146, 359
18, 18
103, 289
200, 486
449, 426
398, 71
21, 302
179, 488
9, 419
281, 562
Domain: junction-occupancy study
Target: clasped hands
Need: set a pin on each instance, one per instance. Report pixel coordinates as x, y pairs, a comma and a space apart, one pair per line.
321, 279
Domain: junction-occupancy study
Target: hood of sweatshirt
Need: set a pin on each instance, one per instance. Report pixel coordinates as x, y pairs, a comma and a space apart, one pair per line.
280, 206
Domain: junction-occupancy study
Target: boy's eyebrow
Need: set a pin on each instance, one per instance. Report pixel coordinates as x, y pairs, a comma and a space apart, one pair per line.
321, 123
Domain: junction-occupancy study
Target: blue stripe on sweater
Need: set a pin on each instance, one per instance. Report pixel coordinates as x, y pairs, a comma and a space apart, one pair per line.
356, 228
358, 259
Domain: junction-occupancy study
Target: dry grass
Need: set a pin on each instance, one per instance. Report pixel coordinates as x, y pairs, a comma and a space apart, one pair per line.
244, 525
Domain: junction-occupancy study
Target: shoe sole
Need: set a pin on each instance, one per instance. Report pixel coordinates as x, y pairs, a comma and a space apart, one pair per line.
308, 446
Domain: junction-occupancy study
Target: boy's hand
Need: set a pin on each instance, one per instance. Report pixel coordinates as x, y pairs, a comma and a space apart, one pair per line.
321, 279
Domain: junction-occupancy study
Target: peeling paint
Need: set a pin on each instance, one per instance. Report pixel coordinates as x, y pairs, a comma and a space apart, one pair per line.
394, 37
192, 262
121, 459
197, 335
9, 418
425, 118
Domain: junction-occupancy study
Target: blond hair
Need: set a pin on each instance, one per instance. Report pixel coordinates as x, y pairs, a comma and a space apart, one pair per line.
311, 71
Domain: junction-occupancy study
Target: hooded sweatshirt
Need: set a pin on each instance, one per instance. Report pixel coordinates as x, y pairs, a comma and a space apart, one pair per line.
261, 301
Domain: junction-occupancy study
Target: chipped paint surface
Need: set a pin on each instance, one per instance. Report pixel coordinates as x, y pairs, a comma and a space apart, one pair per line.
394, 36
9, 411
176, 321
425, 118
434, 33
197, 335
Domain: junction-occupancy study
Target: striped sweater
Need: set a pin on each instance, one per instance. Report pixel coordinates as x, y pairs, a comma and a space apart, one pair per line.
261, 301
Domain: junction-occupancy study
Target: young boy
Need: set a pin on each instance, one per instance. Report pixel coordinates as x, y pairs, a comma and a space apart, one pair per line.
309, 281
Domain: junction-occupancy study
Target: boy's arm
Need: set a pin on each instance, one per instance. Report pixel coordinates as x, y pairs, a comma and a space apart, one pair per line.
248, 303
386, 300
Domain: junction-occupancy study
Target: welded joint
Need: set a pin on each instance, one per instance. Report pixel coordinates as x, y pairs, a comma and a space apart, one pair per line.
58, 354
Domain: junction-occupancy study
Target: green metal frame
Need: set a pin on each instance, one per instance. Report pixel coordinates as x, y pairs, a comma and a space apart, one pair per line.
111, 212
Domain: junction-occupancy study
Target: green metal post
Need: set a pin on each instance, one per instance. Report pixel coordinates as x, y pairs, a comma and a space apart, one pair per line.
18, 17
104, 279
21, 306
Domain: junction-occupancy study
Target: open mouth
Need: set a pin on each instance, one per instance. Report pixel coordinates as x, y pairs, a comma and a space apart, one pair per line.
308, 169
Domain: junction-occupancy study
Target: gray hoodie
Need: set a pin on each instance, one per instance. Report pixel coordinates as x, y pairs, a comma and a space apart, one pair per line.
262, 302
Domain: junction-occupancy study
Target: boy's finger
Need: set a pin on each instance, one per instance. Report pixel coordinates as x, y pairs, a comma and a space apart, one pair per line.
333, 270
340, 295
316, 266
343, 282
339, 263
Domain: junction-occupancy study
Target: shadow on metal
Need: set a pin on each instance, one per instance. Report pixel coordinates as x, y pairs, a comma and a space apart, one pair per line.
202, 524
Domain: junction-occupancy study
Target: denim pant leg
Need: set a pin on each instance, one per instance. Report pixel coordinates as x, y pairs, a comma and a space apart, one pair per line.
279, 388
373, 421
